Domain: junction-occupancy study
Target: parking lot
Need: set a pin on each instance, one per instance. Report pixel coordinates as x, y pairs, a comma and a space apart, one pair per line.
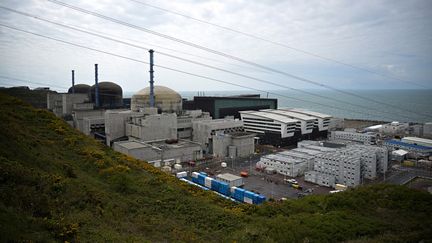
272, 186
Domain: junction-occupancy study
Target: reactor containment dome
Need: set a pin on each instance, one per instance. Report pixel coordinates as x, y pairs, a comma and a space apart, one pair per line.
166, 99
110, 95
80, 89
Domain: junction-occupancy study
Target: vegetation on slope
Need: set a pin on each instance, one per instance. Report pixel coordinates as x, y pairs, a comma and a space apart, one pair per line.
56, 184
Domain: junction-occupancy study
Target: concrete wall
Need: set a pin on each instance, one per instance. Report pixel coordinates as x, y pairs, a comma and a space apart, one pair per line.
115, 123
90, 122
149, 152
245, 145
153, 127
79, 115
68, 101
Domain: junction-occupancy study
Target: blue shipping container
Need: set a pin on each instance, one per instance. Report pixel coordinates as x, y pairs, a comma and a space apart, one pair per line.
215, 185
201, 179
224, 188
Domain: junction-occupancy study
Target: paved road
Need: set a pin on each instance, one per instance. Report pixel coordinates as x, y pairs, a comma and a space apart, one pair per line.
403, 175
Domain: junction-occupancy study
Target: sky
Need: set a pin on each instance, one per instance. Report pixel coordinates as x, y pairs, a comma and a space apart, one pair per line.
392, 38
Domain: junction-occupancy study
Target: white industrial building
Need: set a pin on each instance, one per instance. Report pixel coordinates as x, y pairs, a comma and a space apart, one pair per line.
319, 178
322, 119
305, 124
417, 141
264, 122
285, 164
231, 179
368, 138
395, 128
345, 167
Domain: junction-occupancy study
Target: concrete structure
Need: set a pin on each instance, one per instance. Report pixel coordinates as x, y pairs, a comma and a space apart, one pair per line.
61, 104
160, 150
80, 89
93, 125
417, 141
217, 135
152, 127
336, 123
115, 124
368, 138
110, 95
185, 119
166, 99
231, 179
427, 130
284, 164
220, 107
79, 115
395, 128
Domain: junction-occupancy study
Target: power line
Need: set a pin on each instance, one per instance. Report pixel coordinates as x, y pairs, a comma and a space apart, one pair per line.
224, 54
201, 64
188, 73
278, 44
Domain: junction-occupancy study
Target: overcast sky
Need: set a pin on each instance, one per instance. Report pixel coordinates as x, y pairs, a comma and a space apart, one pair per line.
390, 37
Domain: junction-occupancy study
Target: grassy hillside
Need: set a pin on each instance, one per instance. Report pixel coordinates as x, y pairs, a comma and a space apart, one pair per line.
59, 185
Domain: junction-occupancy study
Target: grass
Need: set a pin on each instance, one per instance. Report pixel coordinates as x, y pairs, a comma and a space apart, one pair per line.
57, 184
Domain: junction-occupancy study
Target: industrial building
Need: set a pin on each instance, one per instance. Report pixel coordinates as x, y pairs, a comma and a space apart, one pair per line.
285, 164
110, 95
152, 127
368, 138
165, 100
230, 179
220, 107
417, 141
271, 128
394, 144
223, 137
395, 128
285, 126
158, 151
324, 120
305, 124
345, 167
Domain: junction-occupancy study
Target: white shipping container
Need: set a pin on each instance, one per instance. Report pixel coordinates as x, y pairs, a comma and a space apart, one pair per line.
248, 200
208, 181
195, 174
182, 174
233, 189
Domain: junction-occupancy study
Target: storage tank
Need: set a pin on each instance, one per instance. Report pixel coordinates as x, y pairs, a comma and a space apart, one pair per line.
110, 95
80, 89
166, 99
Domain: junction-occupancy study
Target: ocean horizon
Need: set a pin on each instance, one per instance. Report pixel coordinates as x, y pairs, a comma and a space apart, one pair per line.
381, 105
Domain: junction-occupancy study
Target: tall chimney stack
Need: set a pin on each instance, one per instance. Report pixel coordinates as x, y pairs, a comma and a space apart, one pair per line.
73, 81
152, 98
97, 87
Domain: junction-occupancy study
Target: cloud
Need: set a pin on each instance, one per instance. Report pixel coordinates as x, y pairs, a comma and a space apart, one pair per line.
392, 37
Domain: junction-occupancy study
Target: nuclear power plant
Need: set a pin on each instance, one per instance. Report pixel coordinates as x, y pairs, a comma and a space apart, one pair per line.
161, 126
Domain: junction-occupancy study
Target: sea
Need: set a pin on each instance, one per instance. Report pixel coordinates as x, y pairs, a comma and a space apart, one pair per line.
378, 105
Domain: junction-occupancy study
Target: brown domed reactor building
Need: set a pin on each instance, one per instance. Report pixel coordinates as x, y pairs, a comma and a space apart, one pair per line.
166, 99
110, 95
